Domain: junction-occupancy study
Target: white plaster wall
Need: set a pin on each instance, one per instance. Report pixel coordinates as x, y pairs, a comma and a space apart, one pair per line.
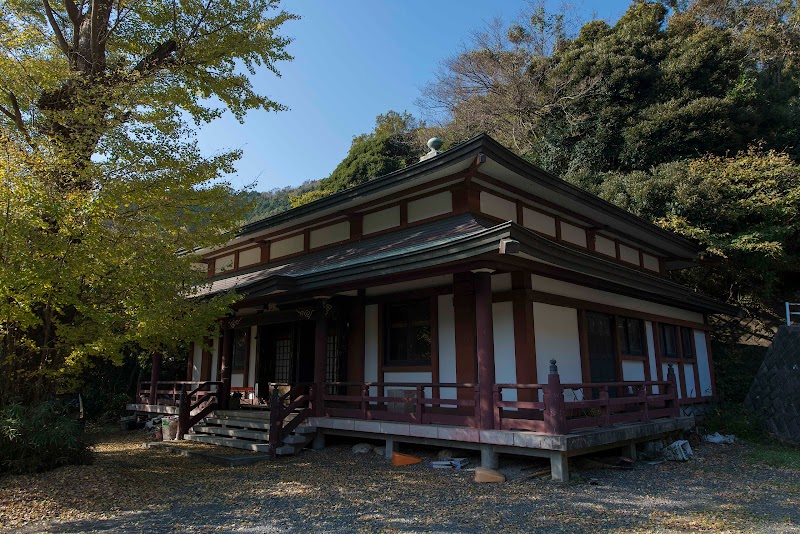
573, 234
703, 369
538, 221
505, 362
381, 220
197, 361
237, 380
431, 206
664, 370
224, 263
651, 262
250, 256
556, 332
605, 246
501, 282
329, 234
447, 345
691, 388
556, 287
214, 358
633, 371
498, 207
371, 345
284, 247
626, 253
251, 373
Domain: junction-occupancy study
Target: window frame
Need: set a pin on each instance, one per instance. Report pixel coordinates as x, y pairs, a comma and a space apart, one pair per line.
662, 340
623, 337
245, 334
388, 362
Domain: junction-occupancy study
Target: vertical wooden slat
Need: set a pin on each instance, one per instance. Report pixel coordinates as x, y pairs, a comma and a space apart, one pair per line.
524, 336
464, 326
434, 313
320, 353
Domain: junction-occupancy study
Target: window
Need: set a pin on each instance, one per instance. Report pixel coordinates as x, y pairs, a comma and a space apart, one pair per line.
687, 342
631, 337
408, 333
669, 341
239, 348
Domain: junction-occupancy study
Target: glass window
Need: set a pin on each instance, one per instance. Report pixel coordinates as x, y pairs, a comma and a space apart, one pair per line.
669, 341
239, 348
687, 342
631, 336
408, 332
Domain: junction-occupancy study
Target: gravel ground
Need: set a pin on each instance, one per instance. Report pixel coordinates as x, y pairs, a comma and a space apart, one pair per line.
132, 489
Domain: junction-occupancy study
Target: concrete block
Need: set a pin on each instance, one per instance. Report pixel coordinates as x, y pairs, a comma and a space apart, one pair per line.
367, 426
397, 429
423, 431
471, 435
497, 437
489, 458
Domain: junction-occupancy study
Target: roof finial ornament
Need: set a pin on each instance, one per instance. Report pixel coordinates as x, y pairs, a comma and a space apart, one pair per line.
434, 143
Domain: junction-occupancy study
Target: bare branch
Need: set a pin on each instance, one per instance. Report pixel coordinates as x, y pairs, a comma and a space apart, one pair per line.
62, 43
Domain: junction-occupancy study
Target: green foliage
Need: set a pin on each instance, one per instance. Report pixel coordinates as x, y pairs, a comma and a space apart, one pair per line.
732, 418
38, 438
775, 455
392, 145
735, 368
275, 201
744, 209
106, 199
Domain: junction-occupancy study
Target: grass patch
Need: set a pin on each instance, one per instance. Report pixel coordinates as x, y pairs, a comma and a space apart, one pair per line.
782, 456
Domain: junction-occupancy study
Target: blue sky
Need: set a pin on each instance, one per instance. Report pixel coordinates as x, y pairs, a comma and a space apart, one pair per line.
354, 59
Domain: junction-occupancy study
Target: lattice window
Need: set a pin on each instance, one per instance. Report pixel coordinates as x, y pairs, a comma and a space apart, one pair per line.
284, 358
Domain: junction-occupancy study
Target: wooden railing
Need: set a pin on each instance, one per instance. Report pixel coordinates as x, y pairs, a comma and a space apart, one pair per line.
166, 393
195, 405
417, 408
287, 410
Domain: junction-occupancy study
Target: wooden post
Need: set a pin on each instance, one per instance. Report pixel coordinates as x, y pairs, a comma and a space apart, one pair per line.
485, 345
155, 373
419, 406
497, 396
644, 408
555, 419
605, 421
183, 413
275, 424
673, 388
320, 354
225, 367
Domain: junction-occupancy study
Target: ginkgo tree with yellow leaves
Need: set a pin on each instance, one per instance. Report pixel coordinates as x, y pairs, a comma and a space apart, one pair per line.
103, 190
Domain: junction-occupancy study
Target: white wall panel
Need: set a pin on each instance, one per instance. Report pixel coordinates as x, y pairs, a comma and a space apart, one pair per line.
284, 247
498, 207
447, 345
250, 256
381, 220
197, 361
329, 234
688, 375
605, 246
505, 362
251, 374
557, 287
431, 206
633, 371
556, 331
573, 234
538, 221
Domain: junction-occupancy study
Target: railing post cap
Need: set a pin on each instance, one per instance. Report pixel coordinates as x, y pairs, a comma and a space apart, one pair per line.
553, 367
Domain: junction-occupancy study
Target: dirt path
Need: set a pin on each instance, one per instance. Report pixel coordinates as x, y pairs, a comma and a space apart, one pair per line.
131, 489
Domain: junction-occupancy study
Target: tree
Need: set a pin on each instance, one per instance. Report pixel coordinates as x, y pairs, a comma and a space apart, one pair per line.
745, 210
393, 144
105, 193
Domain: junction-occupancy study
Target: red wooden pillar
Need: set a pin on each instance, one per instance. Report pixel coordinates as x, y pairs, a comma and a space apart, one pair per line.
190, 363
155, 374
485, 346
225, 367
673, 387
555, 419
320, 354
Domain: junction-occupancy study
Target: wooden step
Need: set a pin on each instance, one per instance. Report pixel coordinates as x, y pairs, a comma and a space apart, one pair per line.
294, 439
232, 432
228, 442
243, 414
286, 450
237, 423
305, 429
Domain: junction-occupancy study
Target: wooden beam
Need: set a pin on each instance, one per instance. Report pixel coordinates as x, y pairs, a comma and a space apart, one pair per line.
485, 347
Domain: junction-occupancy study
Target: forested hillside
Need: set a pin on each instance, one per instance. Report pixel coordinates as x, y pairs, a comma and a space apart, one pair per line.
685, 113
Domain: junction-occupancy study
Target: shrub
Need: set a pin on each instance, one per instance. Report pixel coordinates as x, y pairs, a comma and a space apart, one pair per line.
38, 438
